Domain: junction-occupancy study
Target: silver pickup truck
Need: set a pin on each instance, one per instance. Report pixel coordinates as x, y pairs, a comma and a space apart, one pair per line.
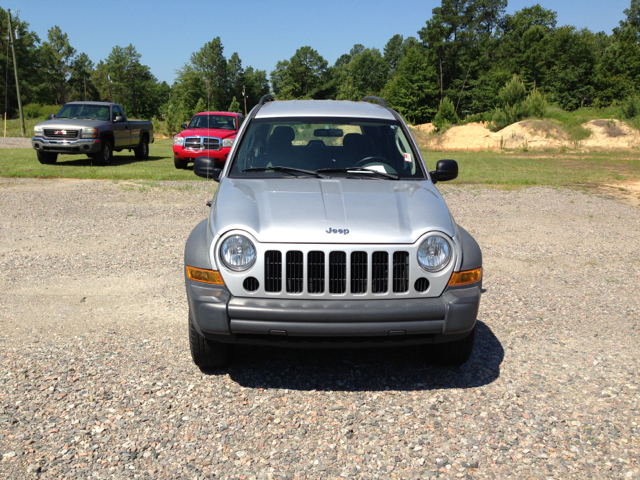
95, 129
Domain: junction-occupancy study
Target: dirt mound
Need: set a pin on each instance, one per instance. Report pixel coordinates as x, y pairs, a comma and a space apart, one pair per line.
610, 135
527, 135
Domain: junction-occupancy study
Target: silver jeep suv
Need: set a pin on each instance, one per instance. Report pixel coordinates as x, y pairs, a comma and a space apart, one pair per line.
327, 230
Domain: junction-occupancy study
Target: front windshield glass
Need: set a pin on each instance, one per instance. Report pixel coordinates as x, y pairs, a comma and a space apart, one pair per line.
327, 145
79, 110
222, 122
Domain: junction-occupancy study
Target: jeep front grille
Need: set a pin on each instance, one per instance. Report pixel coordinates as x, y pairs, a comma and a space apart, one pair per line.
202, 143
359, 276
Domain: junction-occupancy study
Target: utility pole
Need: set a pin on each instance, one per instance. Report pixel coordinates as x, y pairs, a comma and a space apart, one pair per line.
85, 88
15, 68
245, 101
6, 88
109, 85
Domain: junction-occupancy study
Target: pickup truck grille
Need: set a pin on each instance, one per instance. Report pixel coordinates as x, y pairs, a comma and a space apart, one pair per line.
60, 133
359, 278
202, 143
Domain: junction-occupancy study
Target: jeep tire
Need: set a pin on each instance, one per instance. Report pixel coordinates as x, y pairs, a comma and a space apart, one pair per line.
454, 353
47, 158
142, 151
208, 353
105, 155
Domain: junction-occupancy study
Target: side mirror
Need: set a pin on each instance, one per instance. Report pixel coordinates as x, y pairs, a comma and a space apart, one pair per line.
118, 119
51, 116
445, 170
205, 167
183, 126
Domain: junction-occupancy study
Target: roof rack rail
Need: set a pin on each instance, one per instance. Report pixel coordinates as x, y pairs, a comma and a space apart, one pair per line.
264, 99
376, 99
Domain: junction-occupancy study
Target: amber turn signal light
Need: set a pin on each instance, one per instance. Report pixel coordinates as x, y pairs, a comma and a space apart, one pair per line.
464, 278
204, 276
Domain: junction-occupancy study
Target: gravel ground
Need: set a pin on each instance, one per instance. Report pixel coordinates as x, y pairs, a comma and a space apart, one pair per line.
15, 142
96, 380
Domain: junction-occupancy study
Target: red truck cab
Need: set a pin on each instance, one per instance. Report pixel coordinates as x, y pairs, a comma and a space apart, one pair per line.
209, 134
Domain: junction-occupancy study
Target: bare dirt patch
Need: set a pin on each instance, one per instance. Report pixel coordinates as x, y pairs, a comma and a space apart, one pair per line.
15, 142
530, 135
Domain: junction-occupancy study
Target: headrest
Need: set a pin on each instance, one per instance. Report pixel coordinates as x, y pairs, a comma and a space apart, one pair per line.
355, 140
282, 134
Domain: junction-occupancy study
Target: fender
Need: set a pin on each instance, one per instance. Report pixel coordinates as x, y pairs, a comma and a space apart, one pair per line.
471, 253
196, 251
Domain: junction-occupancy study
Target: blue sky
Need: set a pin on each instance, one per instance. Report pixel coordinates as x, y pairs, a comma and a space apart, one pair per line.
262, 32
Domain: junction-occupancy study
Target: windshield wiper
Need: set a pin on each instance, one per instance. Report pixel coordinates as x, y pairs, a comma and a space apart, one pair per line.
280, 168
359, 170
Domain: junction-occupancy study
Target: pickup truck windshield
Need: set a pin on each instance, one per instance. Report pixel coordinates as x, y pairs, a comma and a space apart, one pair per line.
333, 147
222, 122
75, 111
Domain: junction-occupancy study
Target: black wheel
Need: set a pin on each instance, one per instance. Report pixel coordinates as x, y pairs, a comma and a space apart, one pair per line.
208, 353
142, 151
452, 353
105, 155
47, 158
180, 164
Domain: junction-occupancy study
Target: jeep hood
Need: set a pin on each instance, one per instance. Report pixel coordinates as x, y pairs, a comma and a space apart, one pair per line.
305, 210
211, 132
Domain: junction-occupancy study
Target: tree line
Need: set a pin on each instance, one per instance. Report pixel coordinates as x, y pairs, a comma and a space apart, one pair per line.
463, 57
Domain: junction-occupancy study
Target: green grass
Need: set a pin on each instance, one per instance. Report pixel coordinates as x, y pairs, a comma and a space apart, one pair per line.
13, 127
22, 162
539, 168
483, 168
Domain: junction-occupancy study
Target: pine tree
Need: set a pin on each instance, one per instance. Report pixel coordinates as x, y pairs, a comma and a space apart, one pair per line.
235, 106
201, 106
446, 115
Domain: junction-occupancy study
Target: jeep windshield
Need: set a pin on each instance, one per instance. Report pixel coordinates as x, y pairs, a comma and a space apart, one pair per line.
222, 122
335, 147
88, 111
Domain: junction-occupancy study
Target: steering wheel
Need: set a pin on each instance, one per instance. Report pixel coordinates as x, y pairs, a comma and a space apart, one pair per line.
368, 161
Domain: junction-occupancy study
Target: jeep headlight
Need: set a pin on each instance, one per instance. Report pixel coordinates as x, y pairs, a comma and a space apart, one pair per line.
434, 253
178, 140
227, 142
89, 133
37, 130
238, 253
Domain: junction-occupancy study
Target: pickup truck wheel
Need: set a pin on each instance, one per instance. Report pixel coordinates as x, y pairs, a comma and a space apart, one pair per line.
452, 353
180, 164
208, 353
105, 155
142, 151
47, 158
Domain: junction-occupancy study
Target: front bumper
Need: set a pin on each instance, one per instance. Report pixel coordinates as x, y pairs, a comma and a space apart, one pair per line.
80, 146
187, 155
220, 316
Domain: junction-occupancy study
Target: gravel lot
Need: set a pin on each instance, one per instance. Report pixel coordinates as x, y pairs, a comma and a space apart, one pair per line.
15, 142
96, 380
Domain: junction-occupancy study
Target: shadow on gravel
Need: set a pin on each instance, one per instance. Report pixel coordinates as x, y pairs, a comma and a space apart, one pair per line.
403, 368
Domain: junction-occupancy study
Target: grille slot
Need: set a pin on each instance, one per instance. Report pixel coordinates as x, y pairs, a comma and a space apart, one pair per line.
380, 272
315, 272
359, 272
422, 285
400, 272
57, 133
337, 272
294, 272
273, 271
251, 284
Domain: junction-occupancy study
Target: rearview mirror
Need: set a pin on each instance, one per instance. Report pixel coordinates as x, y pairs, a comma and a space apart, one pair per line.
328, 132
205, 167
118, 119
51, 116
445, 170
183, 126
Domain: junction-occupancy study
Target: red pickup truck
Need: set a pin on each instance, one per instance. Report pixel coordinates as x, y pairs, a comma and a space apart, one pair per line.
209, 134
